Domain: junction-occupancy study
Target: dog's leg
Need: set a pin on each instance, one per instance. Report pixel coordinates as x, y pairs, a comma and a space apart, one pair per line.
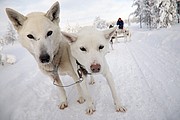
90, 109
79, 89
112, 46
129, 37
111, 43
116, 37
81, 98
107, 74
63, 103
125, 38
92, 81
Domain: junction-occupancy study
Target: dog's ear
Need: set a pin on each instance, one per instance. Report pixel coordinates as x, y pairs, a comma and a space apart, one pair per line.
70, 37
53, 12
109, 32
16, 18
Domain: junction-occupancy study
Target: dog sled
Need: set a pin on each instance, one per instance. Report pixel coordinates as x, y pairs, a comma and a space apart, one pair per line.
120, 33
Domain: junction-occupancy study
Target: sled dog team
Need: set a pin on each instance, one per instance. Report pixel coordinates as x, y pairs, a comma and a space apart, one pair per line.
60, 53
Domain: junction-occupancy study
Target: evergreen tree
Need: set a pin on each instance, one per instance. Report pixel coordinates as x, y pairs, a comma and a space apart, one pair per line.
100, 23
10, 36
72, 29
167, 13
155, 13
138, 12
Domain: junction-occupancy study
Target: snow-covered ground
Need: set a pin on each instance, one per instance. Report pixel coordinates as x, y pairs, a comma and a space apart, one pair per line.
146, 72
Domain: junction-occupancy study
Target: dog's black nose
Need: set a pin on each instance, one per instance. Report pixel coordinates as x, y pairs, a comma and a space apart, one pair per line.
95, 68
44, 58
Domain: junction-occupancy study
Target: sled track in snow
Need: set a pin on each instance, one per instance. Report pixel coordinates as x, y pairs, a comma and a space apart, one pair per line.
130, 51
145, 80
160, 73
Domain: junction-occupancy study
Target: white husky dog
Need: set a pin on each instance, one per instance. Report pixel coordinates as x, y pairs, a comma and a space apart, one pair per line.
40, 34
88, 48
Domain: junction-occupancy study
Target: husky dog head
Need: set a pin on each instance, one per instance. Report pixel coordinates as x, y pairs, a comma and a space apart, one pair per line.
89, 47
38, 32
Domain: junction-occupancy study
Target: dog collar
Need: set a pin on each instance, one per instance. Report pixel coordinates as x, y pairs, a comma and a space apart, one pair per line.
81, 69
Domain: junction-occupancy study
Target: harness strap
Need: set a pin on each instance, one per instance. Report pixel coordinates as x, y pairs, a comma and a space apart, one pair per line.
80, 71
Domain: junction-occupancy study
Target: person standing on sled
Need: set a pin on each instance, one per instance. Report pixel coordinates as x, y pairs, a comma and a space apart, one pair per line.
120, 23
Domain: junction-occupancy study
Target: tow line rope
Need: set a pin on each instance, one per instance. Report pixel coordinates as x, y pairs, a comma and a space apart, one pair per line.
80, 71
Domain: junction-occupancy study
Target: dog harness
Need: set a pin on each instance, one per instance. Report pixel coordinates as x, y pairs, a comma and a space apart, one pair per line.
80, 71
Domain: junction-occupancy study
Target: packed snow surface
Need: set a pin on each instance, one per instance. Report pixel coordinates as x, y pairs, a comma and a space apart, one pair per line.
146, 72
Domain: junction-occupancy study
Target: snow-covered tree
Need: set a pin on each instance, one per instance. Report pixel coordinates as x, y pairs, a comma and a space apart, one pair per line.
146, 11
1, 48
138, 11
5, 58
155, 13
167, 12
100, 23
2, 43
10, 36
72, 29
152, 13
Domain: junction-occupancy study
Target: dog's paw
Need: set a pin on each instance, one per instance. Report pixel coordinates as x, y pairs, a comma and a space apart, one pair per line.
63, 105
81, 100
120, 109
92, 82
90, 110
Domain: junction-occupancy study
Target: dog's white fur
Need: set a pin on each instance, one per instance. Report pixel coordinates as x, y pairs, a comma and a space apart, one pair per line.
33, 31
89, 47
40, 34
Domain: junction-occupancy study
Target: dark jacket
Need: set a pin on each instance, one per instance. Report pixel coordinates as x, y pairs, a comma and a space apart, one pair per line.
120, 23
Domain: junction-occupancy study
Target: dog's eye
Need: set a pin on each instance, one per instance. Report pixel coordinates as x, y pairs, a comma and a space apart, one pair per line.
30, 36
49, 33
83, 49
101, 47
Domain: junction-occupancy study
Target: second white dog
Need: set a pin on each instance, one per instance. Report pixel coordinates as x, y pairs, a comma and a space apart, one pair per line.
88, 49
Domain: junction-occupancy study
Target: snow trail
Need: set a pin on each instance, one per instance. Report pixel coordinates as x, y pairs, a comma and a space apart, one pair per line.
163, 82
146, 72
